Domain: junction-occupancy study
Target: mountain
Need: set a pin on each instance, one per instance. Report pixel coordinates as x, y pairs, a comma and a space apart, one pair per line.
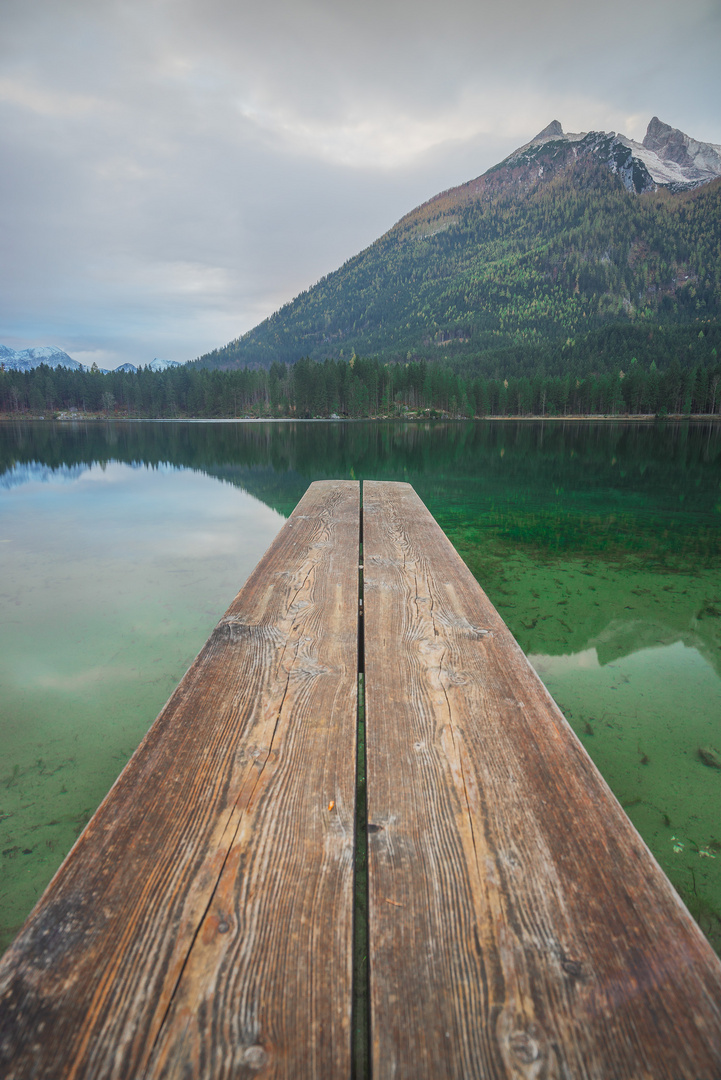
155, 365
574, 243
162, 365
27, 359
665, 159
697, 161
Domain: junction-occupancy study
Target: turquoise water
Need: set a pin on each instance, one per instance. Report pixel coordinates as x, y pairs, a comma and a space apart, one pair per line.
122, 544
112, 578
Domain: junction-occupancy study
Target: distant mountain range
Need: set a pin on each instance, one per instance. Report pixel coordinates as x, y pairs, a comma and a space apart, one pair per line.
154, 365
27, 359
573, 242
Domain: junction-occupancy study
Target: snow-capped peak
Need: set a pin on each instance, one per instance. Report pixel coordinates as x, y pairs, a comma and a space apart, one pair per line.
552, 133
27, 359
666, 157
697, 160
161, 365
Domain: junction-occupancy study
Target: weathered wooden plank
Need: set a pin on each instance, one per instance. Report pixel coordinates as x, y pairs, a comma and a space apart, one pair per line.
518, 925
202, 925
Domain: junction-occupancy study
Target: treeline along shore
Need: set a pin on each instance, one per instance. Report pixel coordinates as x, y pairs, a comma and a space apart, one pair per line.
361, 387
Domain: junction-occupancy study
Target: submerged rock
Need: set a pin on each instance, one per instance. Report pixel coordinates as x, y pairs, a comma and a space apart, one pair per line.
709, 757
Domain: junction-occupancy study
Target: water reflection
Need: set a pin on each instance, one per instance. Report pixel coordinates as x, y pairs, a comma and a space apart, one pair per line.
112, 577
646, 718
552, 668
600, 544
37, 473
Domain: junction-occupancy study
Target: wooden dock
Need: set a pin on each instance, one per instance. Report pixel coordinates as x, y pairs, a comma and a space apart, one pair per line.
203, 925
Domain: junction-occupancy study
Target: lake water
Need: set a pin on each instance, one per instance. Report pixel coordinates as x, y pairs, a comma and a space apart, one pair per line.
122, 544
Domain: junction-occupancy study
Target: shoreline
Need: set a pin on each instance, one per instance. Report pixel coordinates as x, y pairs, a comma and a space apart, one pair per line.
624, 418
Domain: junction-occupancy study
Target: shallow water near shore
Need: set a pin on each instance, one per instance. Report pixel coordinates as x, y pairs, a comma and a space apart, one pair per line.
122, 544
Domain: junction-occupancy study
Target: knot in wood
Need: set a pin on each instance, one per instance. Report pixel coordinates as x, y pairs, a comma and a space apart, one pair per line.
524, 1048
232, 629
573, 968
255, 1057
511, 859
453, 677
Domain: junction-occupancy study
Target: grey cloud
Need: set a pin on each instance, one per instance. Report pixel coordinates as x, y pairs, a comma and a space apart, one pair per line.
174, 171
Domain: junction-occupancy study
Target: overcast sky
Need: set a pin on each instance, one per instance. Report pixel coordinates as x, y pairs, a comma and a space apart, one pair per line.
173, 171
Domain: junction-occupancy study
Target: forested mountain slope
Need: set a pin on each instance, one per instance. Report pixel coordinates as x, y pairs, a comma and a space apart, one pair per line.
575, 252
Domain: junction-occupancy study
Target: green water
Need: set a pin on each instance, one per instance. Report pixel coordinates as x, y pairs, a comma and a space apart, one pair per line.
122, 544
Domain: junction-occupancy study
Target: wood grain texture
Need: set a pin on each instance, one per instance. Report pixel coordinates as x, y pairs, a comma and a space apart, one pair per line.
519, 927
202, 925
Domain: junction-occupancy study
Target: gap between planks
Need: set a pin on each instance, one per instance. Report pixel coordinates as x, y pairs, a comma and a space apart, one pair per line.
202, 925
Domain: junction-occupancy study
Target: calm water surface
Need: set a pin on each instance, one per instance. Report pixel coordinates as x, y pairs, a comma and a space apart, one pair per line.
122, 544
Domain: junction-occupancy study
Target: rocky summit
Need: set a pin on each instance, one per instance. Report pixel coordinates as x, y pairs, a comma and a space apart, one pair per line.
666, 158
698, 161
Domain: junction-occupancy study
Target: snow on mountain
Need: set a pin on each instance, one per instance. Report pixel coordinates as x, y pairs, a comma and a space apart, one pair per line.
666, 158
697, 160
155, 365
160, 365
27, 359
551, 133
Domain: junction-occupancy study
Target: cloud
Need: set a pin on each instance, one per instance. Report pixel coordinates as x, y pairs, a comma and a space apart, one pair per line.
172, 172
42, 100
75, 682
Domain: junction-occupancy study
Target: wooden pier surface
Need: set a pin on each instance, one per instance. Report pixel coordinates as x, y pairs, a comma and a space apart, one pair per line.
518, 927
